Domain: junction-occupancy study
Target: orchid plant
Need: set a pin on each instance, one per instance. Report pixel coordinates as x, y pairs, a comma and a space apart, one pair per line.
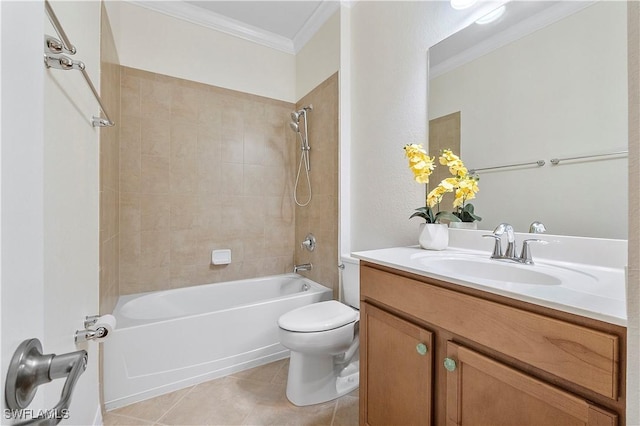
422, 166
464, 184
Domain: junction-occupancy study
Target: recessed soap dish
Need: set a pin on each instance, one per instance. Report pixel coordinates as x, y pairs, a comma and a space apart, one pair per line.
221, 257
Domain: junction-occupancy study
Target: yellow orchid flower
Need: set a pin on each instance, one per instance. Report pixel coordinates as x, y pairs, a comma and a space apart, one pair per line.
434, 197
419, 162
456, 166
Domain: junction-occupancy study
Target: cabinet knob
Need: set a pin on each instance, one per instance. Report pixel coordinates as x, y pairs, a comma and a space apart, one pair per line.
421, 348
449, 364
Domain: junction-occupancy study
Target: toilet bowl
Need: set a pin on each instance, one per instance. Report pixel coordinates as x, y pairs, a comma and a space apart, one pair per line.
324, 343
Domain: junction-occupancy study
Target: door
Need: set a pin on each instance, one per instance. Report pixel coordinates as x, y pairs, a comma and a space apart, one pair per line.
482, 391
49, 197
396, 370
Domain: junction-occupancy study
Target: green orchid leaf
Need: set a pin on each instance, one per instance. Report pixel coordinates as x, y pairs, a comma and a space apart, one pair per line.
419, 214
426, 213
448, 216
469, 214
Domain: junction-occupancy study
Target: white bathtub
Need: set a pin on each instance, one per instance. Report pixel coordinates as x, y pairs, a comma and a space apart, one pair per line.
172, 339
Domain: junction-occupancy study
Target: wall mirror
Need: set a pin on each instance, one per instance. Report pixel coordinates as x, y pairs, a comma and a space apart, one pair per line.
546, 80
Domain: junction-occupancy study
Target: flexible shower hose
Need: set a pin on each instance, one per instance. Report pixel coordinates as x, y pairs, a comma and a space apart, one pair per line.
304, 158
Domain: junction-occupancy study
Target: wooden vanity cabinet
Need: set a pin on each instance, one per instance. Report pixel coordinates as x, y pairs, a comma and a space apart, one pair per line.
483, 391
399, 383
489, 360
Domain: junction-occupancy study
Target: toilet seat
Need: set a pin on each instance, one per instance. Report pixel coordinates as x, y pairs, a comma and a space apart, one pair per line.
320, 316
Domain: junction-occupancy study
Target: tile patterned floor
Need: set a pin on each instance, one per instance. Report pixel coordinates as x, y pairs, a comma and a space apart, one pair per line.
252, 397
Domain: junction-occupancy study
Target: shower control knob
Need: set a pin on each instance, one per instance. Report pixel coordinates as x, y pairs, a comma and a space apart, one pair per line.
309, 242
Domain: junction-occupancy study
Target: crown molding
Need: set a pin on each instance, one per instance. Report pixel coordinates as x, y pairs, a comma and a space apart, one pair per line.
524, 28
199, 16
314, 23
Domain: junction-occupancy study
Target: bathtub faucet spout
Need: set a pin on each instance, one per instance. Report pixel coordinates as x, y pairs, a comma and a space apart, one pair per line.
302, 267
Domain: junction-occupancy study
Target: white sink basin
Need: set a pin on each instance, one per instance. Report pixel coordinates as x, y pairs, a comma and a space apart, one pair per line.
504, 273
494, 270
589, 289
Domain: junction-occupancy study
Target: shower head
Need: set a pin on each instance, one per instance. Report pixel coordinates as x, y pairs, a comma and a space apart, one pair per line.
295, 115
294, 126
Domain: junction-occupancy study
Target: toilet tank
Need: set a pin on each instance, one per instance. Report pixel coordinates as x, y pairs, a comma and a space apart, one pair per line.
351, 281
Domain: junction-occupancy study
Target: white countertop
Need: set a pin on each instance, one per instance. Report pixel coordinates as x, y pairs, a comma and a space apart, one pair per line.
592, 274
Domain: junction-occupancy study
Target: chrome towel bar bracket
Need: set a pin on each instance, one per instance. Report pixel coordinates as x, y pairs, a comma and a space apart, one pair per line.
53, 58
62, 62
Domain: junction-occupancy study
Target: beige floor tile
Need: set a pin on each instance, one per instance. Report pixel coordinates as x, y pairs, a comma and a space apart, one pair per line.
281, 376
346, 411
154, 408
258, 391
264, 373
110, 419
218, 402
284, 413
253, 397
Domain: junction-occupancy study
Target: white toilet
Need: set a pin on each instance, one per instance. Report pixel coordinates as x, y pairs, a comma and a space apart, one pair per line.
323, 339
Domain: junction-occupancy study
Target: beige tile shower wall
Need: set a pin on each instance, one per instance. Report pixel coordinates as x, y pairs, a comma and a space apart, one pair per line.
320, 217
109, 166
202, 168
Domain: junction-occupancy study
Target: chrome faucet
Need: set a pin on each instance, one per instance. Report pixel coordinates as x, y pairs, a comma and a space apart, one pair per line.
510, 254
302, 267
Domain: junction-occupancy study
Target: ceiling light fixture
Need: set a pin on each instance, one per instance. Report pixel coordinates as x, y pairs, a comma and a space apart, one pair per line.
491, 16
462, 4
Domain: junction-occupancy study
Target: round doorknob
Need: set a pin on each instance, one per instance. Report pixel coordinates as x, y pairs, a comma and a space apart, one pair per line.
421, 348
449, 364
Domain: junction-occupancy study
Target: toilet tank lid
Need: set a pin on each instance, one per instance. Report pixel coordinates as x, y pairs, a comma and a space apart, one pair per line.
319, 316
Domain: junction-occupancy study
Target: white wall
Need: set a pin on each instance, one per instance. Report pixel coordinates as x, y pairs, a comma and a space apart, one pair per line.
389, 46
49, 195
71, 204
567, 96
633, 272
152, 41
319, 59
344, 155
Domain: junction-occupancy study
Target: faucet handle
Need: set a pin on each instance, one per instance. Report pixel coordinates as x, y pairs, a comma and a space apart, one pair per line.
511, 239
497, 248
499, 230
537, 227
525, 255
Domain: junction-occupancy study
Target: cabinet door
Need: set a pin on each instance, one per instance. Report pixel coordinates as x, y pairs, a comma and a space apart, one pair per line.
396, 370
482, 391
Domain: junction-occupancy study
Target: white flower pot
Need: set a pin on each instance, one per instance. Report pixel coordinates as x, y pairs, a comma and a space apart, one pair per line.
434, 236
